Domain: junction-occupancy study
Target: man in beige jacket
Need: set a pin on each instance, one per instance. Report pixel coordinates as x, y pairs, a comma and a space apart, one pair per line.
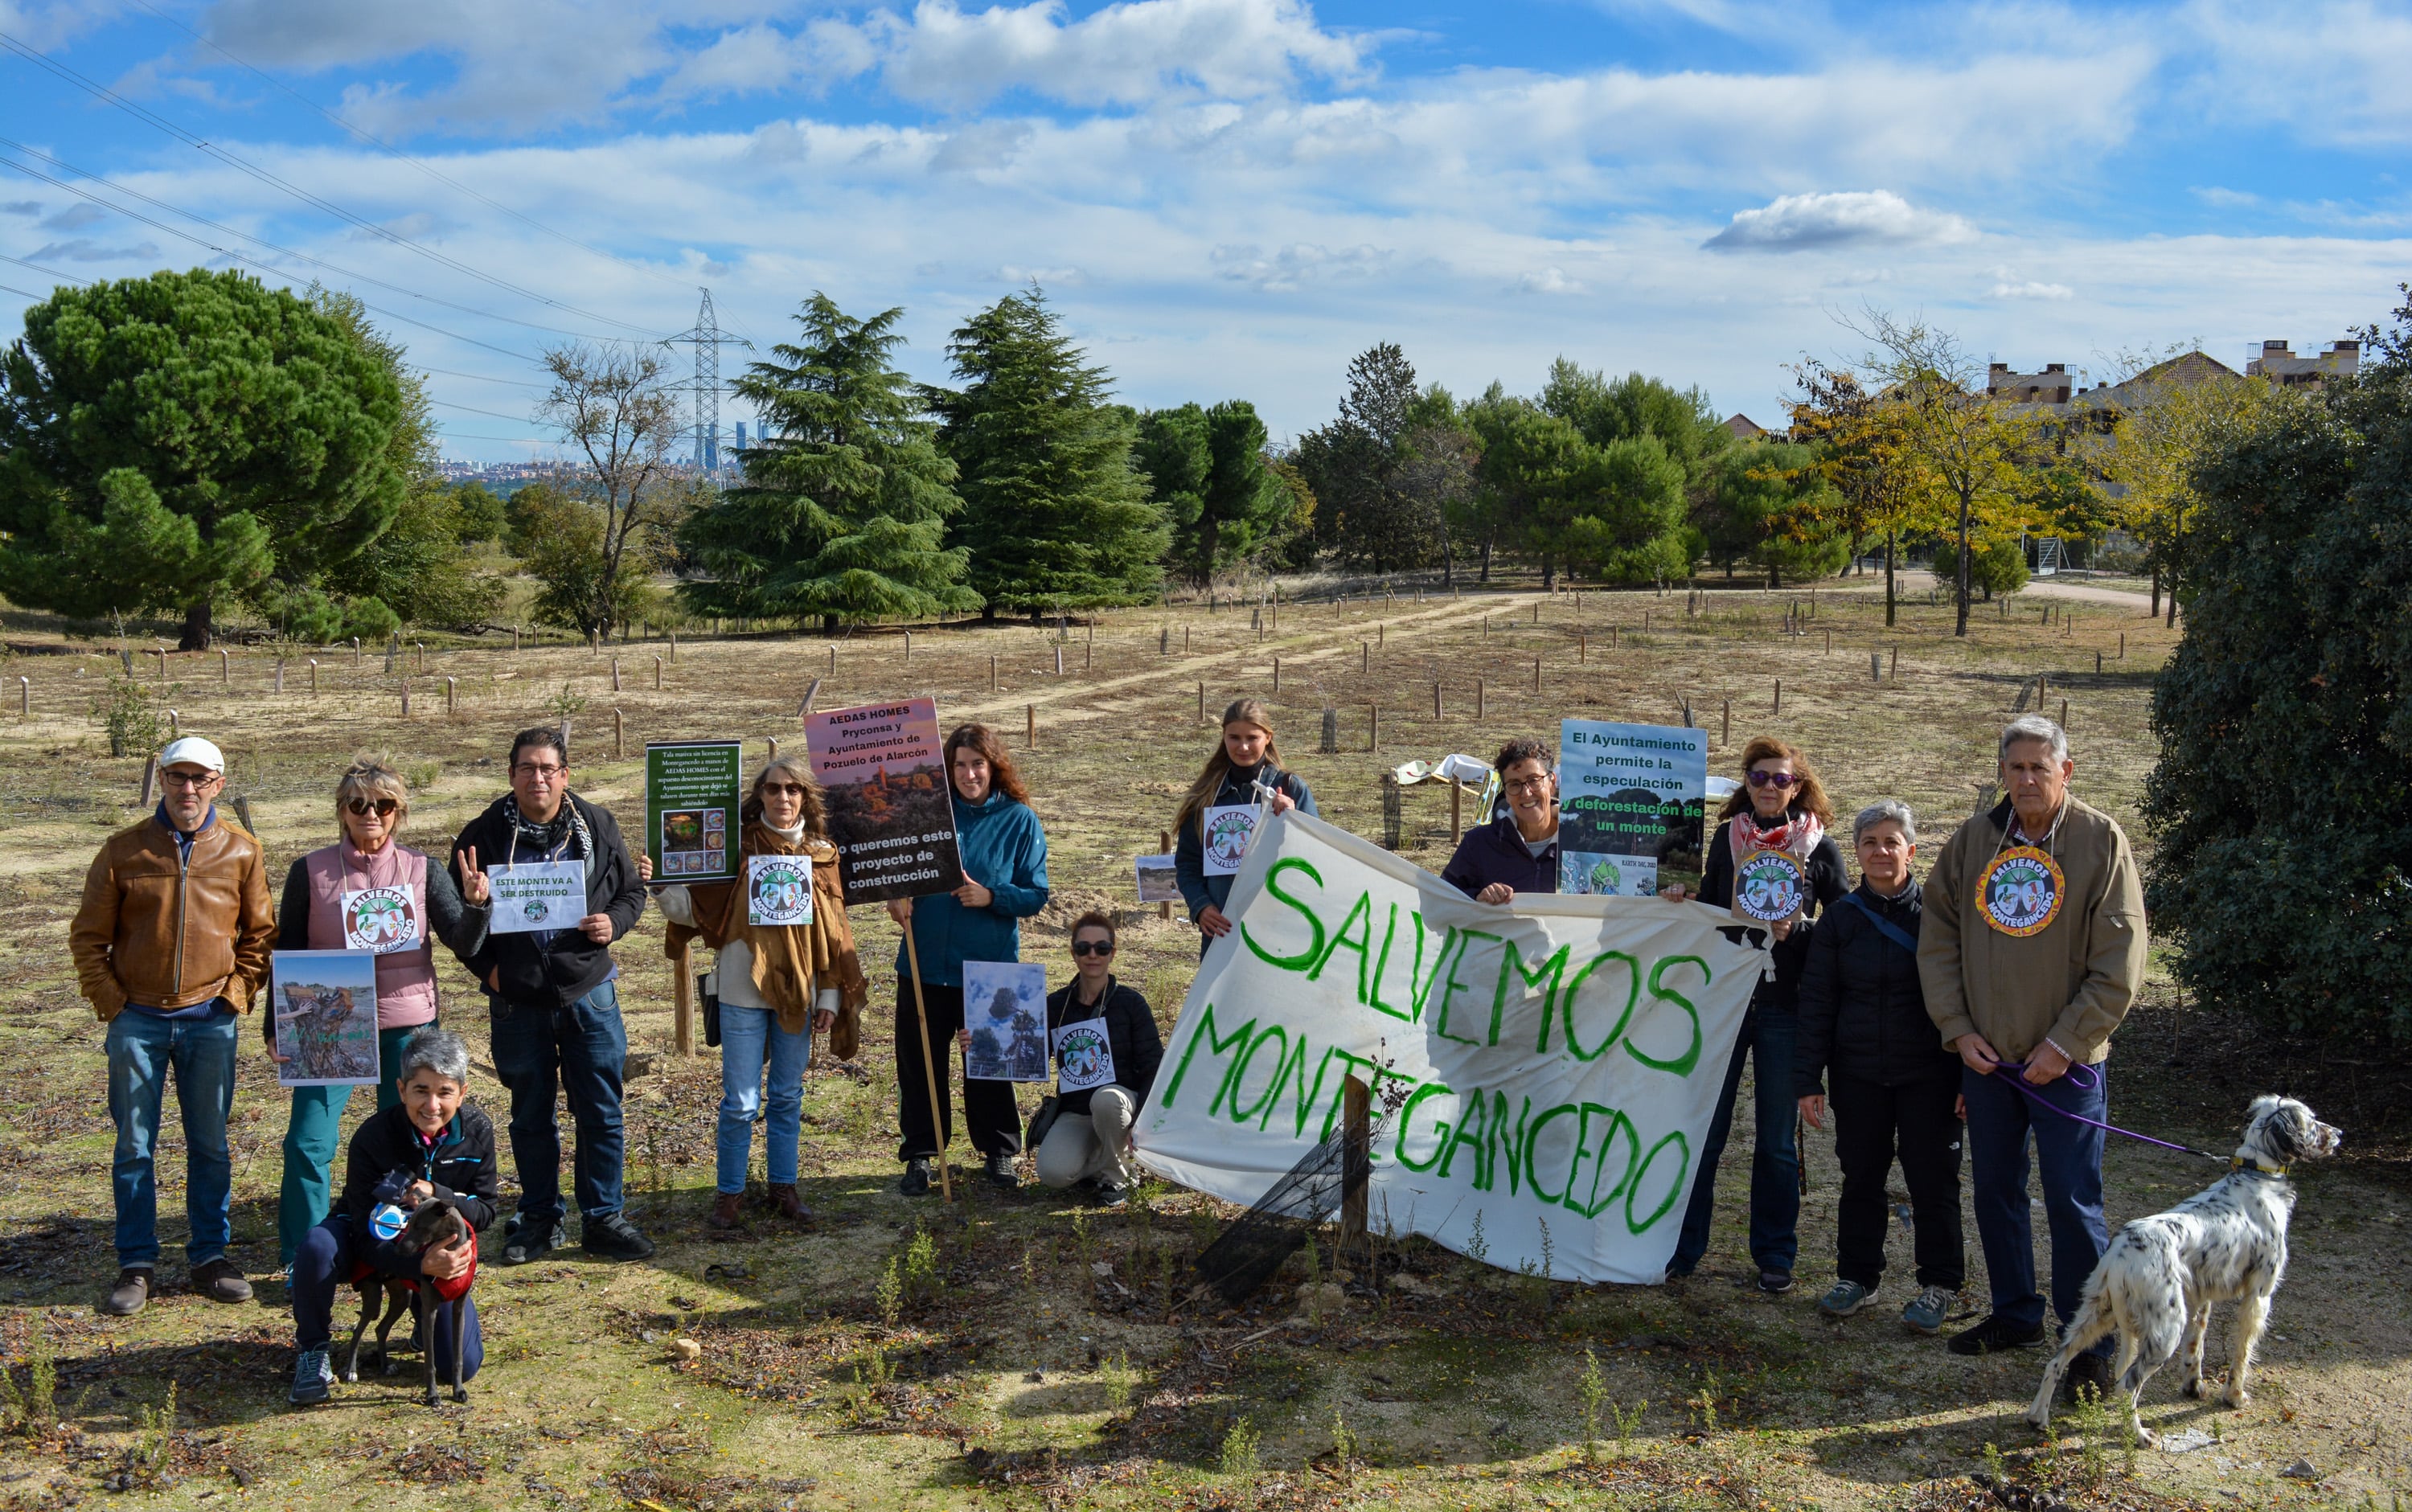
2031, 951
170, 944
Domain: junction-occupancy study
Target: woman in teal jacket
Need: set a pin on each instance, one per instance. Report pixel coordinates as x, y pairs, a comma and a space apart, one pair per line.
1004, 854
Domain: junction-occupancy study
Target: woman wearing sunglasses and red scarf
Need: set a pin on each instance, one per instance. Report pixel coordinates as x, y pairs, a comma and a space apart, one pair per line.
367, 892
1779, 807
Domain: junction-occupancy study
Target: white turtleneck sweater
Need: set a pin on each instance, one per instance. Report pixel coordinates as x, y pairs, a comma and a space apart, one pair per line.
734, 969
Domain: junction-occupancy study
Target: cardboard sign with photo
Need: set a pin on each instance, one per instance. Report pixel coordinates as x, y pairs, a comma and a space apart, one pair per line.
883, 776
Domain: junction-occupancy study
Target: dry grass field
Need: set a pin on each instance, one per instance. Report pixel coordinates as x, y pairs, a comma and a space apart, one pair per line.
1035, 1353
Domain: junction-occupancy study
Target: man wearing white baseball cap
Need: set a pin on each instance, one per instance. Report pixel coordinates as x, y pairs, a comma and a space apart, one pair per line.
171, 941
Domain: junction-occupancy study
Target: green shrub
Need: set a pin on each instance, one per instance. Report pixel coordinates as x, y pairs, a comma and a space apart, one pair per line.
1998, 569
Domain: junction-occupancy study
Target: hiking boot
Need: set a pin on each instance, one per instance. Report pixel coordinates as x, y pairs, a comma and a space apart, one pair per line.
726, 1215
220, 1282
523, 1242
312, 1378
2086, 1372
1775, 1283
917, 1178
1844, 1299
786, 1204
1001, 1171
612, 1237
132, 1290
1928, 1309
1992, 1336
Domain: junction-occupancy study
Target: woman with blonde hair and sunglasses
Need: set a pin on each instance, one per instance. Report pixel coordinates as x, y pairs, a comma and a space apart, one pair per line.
776, 985
367, 892
1246, 757
1780, 806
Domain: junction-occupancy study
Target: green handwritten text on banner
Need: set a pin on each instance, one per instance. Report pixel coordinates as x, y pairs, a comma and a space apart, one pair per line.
1552, 1063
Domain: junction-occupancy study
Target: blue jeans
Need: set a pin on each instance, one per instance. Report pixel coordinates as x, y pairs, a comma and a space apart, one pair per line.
312, 1128
2069, 1153
579, 1048
747, 1087
144, 1052
1775, 1162
323, 1265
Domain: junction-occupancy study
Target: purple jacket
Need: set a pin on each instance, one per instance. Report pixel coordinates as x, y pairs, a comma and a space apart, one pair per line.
1495, 852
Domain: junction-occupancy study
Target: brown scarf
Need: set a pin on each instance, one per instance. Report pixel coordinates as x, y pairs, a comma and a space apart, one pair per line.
789, 959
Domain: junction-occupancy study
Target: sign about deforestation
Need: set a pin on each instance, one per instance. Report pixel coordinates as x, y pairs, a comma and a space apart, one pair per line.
325, 1004
693, 792
1543, 1072
1629, 798
883, 774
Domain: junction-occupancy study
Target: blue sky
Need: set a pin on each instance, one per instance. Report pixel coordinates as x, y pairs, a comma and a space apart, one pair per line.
1231, 198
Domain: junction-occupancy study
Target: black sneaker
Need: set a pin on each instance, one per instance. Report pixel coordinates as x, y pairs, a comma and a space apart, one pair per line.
917, 1178
1992, 1336
523, 1242
1001, 1170
2086, 1371
612, 1237
1775, 1283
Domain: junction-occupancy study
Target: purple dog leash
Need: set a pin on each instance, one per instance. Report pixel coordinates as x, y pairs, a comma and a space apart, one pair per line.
2087, 1078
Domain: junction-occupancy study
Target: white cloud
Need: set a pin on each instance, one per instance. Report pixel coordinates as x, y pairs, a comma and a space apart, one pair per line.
1828, 222
1295, 265
1548, 281
2333, 73
2007, 285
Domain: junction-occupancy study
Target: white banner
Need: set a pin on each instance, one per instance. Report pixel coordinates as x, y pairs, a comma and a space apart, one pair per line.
1554, 1062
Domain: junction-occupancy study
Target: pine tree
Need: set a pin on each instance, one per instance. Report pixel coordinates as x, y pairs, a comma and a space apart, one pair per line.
1207, 467
1056, 515
1366, 518
844, 511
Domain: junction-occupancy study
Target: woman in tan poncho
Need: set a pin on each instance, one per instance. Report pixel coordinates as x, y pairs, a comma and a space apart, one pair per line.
777, 984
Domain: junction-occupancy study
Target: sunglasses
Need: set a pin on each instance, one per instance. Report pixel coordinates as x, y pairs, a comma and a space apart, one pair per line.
1773, 779
382, 807
1092, 948
782, 789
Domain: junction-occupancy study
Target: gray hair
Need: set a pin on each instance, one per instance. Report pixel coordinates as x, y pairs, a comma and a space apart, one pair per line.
2033, 727
439, 1050
1885, 810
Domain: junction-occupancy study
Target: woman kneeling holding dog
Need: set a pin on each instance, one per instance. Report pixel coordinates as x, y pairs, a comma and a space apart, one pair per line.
429, 1146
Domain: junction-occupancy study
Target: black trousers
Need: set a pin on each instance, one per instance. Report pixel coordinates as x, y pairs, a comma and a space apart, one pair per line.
1874, 1125
991, 1116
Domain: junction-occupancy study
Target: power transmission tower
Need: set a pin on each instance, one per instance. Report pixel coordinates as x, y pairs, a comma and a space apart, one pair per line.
707, 338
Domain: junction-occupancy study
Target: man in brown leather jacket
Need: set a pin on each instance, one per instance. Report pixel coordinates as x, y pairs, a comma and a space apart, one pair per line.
171, 941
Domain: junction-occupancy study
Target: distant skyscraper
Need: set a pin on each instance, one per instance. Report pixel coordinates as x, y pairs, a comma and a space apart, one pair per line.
740, 435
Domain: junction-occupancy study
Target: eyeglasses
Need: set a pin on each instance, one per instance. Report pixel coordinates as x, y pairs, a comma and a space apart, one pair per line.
382, 807
188, 779
782, 789
1773, 779
542, 774
1093, 948
1528, 784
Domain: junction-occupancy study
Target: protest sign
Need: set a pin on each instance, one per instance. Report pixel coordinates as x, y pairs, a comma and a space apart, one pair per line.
325, 1003
1552, 1063
693, 791
1769, 887
1159, 879
536, 895
1228, 828
778, 889
1630, 797
1084, 1057
883, 778
380, 920
1005, 1007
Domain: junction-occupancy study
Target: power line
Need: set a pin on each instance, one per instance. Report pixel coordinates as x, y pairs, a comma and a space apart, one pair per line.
26, 292
495, 414
481, 378
327, 206
52, 272
392, 150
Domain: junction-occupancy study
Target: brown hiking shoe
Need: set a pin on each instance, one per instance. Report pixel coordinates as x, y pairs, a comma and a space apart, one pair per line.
784, 1202
725, 1211
220, 1282
127, 1297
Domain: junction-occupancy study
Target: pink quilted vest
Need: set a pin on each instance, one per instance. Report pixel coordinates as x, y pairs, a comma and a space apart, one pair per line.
405, 978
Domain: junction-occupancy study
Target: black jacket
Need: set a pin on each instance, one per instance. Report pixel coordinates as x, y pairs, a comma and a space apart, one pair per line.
1130, 1030
1827, 882
385, 1146
1863, 1012
569, 965
1494, 852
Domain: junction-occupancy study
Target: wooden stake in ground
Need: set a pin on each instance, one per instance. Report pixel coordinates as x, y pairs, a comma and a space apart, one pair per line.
657, 674
451, 696
774, 750
405, 700
226, 672
280, 674
1537, 674
1726, 738
314, 677
1276, 677
1479, 691
1582, 645
1364, 657
615, 674
1030, 724
1201, 703
1436, 707
150, 776
1896, 664
1779, 695
1164, 847
618, 730
683, 1000
909, 648
1456, 810
25, 697
1374, 727
928, 1067
2064, 717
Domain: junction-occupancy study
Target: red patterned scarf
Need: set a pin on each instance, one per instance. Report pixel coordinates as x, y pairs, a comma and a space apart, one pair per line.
1798, 836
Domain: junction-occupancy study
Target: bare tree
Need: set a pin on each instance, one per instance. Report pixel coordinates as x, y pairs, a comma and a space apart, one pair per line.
612, 403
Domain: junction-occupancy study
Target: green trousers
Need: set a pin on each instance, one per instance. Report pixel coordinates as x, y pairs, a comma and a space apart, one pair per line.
311, 1131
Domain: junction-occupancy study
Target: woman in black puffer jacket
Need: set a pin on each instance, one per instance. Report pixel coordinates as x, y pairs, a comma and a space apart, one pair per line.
1863, 1024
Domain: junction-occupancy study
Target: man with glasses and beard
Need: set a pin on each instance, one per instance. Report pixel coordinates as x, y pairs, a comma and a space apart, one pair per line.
555, 1003
171, 941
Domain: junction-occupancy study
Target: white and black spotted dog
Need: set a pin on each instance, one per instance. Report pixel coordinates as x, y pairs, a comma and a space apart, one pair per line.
2158, 1281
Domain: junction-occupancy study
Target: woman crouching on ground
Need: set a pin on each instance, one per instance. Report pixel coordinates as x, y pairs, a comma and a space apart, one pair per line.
777, 984
1894, 1082
1246, 757
1102, 1077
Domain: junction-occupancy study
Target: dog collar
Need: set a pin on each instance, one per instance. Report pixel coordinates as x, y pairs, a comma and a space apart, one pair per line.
2241, 1161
